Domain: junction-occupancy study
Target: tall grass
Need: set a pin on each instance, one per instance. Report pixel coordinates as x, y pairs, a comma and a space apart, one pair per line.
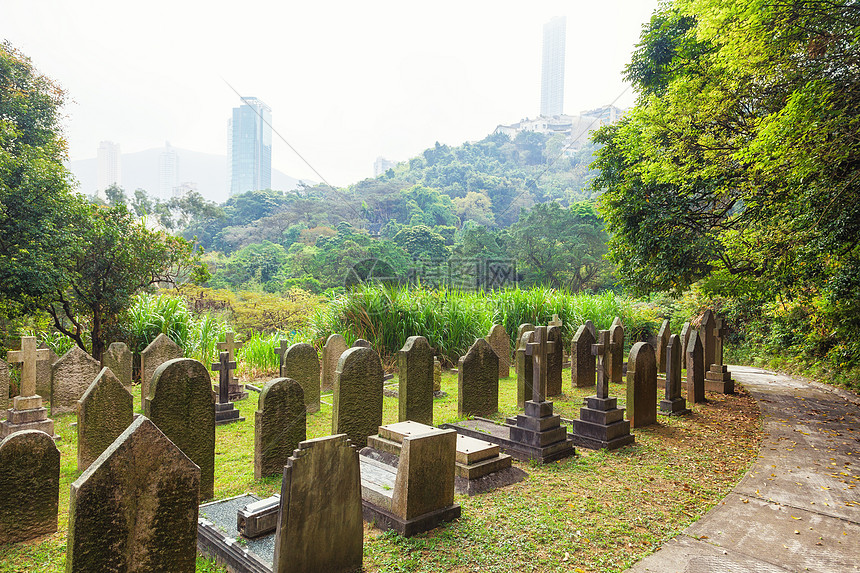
257, 357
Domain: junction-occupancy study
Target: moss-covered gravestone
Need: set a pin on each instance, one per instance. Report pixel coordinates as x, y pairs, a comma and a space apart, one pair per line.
695, 368
478, 381
555, 362
582, 361
104, 412
357, 401
335, 345
157, 353
415, 390
279, 425
437, 375
29, 486
44, 372
72, 375
525, 370
4, 388
525, 327
641, 386
135, 508
182, 405
500, 342
119, 359
593, 329
301, 363
320, 527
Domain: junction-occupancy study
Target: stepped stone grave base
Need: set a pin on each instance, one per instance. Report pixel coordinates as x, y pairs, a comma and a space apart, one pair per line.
541, 430
719, 379
479, 465
217, 537
377, 482
676, 407
601, 425
226, 414
500, 434
27, 419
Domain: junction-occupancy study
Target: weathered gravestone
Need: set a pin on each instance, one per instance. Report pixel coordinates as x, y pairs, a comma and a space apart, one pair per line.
30, 485
555, 362
357, 405
718, 378
362, 343
523, 328
593, 329
320, 527
685, 340
135, 508
157, 353
72, 375
616, 322
706, 332
673, 404
280, 424
120, 360
478, 381
302, 364
104, 412
4, 388
27, 412
437, 375
225, 411
695, 369
641, 386
556, 321
616, 351
500, 342
44, 372
415, 390
525, 371
662, 343
604, 337
582, 368
335, 345
230, 346
182, 405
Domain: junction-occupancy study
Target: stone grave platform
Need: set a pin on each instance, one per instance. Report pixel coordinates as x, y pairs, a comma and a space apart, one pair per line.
500, 434
218, 537
226, 413
479, 465
719, 379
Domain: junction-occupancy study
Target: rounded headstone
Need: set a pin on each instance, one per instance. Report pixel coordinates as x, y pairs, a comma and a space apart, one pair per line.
415, 390
302, 364
30, 486
642, 386
280, 424
357, 403
478, 381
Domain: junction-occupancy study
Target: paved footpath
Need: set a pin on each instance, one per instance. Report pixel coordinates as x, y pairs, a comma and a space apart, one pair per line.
798, 507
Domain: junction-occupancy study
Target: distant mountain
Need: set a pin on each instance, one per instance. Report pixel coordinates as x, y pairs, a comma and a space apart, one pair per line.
140, 171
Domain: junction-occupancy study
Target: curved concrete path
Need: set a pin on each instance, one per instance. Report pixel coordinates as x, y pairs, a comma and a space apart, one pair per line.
798, 507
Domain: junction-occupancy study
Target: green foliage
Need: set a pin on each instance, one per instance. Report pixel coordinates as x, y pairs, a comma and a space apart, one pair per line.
421, 242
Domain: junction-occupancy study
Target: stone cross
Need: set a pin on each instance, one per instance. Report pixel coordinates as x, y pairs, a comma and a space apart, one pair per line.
28, 356
231, 346
538, 350
719, 334
225, 368
282, 351
599, 350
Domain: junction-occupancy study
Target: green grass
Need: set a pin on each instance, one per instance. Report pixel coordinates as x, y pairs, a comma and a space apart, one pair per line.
596, 511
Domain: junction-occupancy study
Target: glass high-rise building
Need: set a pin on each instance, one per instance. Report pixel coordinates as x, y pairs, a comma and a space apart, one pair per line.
552, 70
250, 144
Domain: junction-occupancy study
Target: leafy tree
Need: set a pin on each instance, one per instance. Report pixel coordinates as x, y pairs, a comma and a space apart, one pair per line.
422, 242
475, 207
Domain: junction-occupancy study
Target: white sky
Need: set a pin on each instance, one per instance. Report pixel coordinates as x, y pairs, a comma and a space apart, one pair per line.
346, 81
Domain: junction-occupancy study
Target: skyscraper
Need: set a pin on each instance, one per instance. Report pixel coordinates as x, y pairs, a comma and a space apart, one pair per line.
108, 165
250, 147
552, 70
168, 171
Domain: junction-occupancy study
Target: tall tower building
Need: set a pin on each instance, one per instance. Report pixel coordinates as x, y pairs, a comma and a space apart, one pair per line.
250, 147
168, 171
552, 70
108, 165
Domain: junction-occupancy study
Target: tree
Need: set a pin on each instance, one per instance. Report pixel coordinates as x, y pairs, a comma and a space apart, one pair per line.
559, 247
422, 242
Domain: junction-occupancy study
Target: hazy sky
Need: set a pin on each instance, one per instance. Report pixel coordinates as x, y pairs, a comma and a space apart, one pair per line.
346, 81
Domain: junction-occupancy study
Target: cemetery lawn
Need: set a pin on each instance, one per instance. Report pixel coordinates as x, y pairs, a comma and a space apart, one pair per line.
598, 511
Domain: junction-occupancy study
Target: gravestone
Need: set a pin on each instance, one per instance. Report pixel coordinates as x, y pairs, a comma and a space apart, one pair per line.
362, 343
685, 340
609, 357
44, 372
662, 342
641, 386
320, 526
154, 355
500, 342
556, 321
616, 350
525, 372
695, 368
302, 364
593, 329
616, 322
335, 345
415, 390
718, 378
555, 362
4, 388
279, 427
119, 359
706, 332
225, 411
182, 405
673, 404
582, 368
525, 327
72, 375
104, 412
601, 422
30, 485
27, 412
230, 346
478, 381
437, 375
357, 405
135, 507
